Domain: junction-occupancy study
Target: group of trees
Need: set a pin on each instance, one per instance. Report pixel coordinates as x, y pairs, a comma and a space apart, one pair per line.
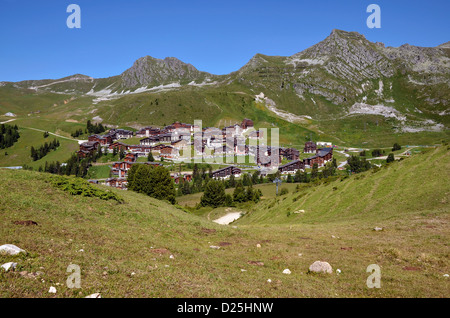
97, 128
8, 135
43, 150
356, 165
74, 166
154, 181
77, 133
214, 194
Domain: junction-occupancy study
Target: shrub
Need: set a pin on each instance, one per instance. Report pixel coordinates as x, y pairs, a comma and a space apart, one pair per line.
78, 186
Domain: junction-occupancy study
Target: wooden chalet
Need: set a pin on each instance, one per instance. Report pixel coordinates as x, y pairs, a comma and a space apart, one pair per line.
310, 147
87, 148
226, 172
169, 152
149, 141
292, 167
246, 123
148, 131
118, 145
104, 140
120, 183
290, 153
130, 157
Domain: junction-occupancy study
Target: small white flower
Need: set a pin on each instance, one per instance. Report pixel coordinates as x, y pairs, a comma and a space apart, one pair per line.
171, 257
338, 271
52, 290
445, 275
287, 271
269, 280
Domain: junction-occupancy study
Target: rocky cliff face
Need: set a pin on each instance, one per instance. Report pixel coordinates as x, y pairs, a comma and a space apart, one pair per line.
151, 71
346, 68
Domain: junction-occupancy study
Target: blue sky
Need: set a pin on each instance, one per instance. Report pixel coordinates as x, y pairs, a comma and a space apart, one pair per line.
214, 35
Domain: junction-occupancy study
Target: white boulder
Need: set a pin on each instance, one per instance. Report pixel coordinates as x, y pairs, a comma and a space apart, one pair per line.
320, 267
10, 249
9, 266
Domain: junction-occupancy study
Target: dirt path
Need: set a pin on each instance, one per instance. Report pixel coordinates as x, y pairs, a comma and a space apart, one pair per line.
8, 121
79, 141
228, 218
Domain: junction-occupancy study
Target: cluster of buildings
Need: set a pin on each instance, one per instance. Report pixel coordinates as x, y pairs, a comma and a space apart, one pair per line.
169, 141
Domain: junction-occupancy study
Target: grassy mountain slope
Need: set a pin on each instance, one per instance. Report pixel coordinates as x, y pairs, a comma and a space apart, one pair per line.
139, 235
419, 185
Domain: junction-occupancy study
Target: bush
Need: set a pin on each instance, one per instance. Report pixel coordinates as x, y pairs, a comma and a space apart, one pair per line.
284, 191
396, 147
78, 186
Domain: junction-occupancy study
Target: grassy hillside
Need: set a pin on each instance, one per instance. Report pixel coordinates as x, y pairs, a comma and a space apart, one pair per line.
416, 185
110, 241
20, 153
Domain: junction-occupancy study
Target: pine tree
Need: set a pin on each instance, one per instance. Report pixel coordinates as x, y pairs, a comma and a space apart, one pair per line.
150, 157
239, 192
214, 194
390, 158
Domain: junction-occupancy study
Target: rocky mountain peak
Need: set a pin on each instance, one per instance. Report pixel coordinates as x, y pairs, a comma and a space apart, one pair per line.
148, 70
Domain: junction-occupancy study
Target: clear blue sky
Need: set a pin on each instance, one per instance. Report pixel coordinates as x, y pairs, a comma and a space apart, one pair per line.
216, 36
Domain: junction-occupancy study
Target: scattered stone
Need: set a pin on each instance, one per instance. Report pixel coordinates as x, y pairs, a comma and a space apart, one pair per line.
10, 249
255, 263
171, 257
378, 229
445, 275
9, 266
299, 211
26, 223
96, 295
320, 267
258, 245
52, 290
243, 270
160, 251
411, 268
81, 250
215, 247
336, 237
133, 273
338, 271
287, 271
269, 280
208, 231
